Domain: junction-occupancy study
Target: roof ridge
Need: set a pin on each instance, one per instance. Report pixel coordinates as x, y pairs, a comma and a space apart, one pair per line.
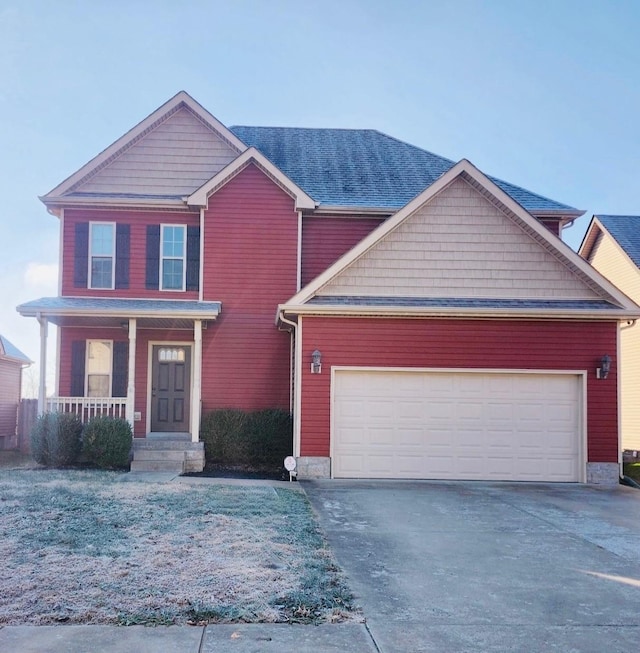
346, 129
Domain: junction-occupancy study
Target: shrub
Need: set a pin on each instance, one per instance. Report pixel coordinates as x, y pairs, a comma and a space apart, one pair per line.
235, 437
106, 442
224, 433
55, 439
270, 436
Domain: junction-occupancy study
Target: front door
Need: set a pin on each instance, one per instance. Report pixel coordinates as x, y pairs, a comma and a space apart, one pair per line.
170, 387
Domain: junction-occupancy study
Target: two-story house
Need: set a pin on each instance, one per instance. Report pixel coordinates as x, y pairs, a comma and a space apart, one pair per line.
419, 318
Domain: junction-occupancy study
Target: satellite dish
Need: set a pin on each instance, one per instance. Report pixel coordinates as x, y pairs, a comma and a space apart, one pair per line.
289, 463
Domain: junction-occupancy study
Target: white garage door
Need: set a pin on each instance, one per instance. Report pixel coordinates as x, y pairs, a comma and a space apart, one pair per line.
456, 425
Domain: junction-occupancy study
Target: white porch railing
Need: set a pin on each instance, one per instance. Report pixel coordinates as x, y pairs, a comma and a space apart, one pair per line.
87, 407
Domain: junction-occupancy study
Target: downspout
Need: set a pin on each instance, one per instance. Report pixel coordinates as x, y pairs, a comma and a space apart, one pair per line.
625, 480
294, 382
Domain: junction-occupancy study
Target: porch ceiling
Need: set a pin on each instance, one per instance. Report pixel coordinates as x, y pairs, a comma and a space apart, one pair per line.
108, 312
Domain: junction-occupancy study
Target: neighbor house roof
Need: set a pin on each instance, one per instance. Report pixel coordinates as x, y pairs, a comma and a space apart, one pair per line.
625, 229
363, 167
9, 350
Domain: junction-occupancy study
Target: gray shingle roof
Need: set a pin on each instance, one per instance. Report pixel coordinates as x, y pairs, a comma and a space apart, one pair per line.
11, 351
456, 302
362, 167
128, 306
626, 230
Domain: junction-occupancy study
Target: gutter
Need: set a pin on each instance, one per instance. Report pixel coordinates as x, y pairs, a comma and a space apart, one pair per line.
418, 311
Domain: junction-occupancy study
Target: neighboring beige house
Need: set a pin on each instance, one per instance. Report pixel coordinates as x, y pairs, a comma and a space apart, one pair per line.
612, 246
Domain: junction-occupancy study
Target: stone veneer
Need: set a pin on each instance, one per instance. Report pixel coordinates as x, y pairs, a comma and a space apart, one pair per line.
603, 473
313, 467
320, 467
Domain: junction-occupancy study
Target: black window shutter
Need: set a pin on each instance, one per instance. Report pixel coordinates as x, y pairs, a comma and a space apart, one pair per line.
81, 257
193, 258
120, 365
123, 240
78, 349
153, 257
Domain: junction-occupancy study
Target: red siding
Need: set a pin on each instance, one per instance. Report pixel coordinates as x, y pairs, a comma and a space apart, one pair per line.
137, 261
250, 250
326, 239
460, 344
143, 338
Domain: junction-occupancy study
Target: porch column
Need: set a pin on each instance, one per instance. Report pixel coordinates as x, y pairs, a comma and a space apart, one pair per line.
42, 390
196, 393
131, 375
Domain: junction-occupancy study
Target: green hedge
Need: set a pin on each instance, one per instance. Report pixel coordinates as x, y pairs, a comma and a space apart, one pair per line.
106, 442
56, 439
259, 439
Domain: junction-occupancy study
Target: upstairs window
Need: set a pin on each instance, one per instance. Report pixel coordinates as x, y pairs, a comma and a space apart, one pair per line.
98, 366
172, 257
102, 246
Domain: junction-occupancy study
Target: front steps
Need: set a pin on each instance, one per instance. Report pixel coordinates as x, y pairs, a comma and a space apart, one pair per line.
167, 452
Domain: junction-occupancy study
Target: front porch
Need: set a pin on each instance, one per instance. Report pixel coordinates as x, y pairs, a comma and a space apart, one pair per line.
139, 360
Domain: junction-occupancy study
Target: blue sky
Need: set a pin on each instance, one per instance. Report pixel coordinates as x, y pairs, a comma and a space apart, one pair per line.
544, 94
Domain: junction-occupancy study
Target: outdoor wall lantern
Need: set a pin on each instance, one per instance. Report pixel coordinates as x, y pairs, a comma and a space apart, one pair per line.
316, 362
602, 372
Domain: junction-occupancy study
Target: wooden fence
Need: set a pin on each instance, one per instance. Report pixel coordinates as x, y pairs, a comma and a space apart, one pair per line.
27, 414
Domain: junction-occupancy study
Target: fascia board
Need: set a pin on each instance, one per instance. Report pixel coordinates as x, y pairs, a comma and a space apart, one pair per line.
418, 311
465, 167
200, 197
180, 98
112, 312
589, 238
62, 201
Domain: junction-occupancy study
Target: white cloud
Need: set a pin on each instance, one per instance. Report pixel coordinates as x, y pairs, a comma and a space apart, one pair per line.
42, 277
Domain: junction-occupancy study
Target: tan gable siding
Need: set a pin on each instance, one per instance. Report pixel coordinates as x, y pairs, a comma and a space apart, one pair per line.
458, 245
609, 259
176, 158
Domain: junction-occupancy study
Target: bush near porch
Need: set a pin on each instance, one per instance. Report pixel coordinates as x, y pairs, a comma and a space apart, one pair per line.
61, 440
259, 439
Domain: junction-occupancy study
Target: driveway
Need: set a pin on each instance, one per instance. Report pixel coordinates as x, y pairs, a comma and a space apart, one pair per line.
487, 567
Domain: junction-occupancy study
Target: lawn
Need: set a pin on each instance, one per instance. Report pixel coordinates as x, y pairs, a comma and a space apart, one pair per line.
89, 547
632, 470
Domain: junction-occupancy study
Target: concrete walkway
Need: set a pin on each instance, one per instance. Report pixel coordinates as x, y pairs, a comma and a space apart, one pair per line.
241, 638
480, 567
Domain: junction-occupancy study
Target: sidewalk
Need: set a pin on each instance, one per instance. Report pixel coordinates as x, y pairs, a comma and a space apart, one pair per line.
233, 638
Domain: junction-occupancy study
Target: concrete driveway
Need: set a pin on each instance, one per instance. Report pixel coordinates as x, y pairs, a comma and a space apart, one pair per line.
456, 567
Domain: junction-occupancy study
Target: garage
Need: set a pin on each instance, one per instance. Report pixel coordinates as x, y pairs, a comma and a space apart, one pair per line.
449, 424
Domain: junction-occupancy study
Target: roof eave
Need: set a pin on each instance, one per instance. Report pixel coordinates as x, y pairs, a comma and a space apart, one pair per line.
200, 197
457, 312
59, 202
112, 312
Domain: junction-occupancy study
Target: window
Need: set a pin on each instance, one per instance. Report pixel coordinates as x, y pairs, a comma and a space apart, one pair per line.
172, 257
99, 368
168, 355
101, 254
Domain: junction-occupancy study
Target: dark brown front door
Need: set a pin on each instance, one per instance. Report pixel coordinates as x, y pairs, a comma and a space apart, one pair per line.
171, 380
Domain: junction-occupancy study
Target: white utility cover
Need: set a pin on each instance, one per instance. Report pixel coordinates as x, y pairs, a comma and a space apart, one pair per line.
457, 425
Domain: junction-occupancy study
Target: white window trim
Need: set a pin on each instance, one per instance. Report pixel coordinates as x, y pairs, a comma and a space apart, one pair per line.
182, 258
113, 256
86, 365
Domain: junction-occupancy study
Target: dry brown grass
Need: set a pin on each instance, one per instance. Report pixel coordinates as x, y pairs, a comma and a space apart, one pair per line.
87, 547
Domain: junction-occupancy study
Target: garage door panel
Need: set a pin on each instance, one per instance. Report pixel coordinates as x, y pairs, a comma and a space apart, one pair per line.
500, 426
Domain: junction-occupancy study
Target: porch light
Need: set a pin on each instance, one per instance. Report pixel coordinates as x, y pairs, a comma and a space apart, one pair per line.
602, 372
316, 362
